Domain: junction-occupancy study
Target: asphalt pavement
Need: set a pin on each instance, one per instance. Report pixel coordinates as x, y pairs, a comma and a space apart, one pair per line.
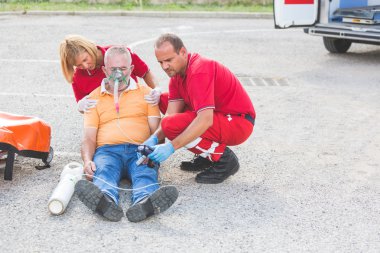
309, 179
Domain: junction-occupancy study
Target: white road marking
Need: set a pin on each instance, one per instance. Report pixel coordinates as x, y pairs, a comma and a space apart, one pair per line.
29, 60
140, 42
35, 95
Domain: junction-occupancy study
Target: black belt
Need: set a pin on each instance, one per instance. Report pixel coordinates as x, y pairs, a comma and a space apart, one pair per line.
249, 118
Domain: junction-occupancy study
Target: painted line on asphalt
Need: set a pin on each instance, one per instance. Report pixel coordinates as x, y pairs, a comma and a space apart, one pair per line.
140, 42
35, 95
29, 60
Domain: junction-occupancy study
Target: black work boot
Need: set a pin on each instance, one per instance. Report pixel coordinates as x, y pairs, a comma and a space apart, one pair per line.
97, 201
227, 165
198, 163
156, 203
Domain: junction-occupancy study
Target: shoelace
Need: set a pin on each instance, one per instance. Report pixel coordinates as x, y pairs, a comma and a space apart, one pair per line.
194, 158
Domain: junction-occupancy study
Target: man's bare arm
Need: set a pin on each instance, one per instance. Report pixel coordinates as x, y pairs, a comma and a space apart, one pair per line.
153, 123
197, 127
88, 151
150, 80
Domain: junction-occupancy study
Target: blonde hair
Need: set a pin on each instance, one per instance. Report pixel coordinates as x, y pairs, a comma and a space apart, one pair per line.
70, 48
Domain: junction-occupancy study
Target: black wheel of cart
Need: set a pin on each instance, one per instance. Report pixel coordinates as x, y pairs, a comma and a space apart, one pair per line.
46, 160
50, 156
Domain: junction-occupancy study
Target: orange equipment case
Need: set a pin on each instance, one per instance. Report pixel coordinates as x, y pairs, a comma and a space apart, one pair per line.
26, 136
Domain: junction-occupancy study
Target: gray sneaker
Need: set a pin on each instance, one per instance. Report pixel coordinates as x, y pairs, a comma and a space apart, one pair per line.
97, 201
156, 203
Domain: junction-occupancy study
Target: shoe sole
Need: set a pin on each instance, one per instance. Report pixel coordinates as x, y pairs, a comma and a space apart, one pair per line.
159, 201
189, 166
91, 195
197, 169
217, 181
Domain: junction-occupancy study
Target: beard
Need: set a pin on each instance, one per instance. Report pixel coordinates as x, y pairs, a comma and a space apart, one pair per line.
171, 72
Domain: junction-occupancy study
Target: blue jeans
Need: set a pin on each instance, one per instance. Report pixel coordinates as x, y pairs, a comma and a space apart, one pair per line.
114, 162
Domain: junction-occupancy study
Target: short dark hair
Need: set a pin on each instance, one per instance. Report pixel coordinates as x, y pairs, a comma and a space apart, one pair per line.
173, 39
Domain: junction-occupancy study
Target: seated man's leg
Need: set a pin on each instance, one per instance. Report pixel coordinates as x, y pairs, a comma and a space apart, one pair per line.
101, 196
147, 196
226, 130
108, 161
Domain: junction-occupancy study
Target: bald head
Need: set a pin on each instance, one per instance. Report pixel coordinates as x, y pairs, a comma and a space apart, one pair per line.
117, 52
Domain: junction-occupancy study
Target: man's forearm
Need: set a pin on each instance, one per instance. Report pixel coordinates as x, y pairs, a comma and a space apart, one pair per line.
150, 80
197, 127
160, 134
87, 151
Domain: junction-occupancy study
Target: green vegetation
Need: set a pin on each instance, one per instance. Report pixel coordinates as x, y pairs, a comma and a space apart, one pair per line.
45, 5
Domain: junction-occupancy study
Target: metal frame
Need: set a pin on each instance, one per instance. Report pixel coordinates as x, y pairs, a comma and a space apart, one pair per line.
356, 33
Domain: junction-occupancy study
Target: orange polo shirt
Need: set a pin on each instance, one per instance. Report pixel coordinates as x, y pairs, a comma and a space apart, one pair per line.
132, 124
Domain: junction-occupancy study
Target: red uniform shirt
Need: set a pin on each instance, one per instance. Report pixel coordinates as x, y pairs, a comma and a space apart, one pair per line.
209, 84
85, 82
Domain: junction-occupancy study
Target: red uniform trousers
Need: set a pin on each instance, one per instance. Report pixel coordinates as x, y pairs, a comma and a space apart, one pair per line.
227, 130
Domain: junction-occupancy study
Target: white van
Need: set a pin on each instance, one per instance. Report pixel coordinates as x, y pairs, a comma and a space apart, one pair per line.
339, 22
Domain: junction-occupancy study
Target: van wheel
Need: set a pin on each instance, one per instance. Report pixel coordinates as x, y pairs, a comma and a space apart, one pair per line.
336, 46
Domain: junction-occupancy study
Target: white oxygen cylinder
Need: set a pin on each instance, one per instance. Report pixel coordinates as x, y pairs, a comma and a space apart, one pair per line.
62, 194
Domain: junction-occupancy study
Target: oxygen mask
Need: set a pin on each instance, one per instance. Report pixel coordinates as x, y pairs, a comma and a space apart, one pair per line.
117, 74
117, 78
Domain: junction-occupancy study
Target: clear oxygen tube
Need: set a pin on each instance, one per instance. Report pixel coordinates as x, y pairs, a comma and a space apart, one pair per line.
117, 77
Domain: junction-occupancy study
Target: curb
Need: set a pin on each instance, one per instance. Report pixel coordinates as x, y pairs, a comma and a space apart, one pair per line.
159, 14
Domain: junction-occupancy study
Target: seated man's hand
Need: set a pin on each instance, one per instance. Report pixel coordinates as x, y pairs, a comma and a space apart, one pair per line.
89, 169
161, 152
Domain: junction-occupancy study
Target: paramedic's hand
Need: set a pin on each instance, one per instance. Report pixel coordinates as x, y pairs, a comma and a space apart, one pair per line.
154, 96
161, 152
86, 104
151, 141
89, 169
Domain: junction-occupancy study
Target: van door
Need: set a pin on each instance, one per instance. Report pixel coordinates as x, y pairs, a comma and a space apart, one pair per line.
293, 13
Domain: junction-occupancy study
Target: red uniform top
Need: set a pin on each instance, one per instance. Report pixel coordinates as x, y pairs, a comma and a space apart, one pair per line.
85, 82
209, 84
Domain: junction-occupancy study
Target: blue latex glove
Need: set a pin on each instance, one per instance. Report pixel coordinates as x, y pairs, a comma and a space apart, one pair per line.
161, 152
151, 141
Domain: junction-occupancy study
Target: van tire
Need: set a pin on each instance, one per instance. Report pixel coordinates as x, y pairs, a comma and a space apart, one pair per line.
336, 46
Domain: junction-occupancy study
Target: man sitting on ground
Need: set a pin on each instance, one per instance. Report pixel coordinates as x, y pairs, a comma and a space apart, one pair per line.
112, 131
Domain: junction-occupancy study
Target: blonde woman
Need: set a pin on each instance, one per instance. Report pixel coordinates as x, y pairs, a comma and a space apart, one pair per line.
81, 62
